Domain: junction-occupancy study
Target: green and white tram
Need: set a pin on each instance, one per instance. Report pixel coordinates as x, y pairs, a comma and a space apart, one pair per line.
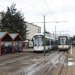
39, 42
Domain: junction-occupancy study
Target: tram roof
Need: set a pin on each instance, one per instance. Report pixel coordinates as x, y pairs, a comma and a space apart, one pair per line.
38, 34
64, 35
46, 36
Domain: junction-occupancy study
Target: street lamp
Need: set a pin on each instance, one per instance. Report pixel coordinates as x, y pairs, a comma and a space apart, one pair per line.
44, 37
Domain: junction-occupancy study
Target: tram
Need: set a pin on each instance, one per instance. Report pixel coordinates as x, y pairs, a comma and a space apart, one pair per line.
38, 39
63, 42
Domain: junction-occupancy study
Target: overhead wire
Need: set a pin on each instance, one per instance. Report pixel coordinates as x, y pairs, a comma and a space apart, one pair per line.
49, 9
3, 7
52, 13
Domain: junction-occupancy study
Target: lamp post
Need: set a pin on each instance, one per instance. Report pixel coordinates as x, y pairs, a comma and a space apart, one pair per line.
55, 38
44, 36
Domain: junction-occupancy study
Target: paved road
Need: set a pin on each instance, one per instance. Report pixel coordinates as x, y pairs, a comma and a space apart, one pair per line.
15, 55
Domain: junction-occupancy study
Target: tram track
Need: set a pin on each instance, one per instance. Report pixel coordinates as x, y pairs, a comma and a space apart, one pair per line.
58, 60
12, 61
51, 59
17, 58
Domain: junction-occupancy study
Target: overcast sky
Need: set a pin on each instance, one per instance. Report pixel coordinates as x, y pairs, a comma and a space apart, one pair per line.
54, 10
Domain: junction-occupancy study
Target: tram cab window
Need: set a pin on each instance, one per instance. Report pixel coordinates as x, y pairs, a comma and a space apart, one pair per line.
62, 40
38, 40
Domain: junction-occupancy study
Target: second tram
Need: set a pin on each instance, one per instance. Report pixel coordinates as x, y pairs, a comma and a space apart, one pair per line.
63, 42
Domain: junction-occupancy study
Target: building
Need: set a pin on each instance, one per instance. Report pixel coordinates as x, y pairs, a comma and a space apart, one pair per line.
32, 30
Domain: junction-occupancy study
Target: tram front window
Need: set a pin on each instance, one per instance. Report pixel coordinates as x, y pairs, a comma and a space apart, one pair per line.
62, 41
38, 41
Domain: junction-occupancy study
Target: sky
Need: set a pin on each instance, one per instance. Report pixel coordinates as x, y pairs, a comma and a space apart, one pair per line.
59, 14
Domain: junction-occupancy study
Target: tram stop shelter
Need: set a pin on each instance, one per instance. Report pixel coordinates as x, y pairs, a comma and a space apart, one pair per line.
5, 38
17, 42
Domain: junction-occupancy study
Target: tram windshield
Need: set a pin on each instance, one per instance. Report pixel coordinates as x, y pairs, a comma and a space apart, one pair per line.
62, 40
38, 40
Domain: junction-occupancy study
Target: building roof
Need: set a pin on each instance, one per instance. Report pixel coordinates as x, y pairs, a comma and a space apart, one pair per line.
16, 37
13, 35
2, 33
4, 36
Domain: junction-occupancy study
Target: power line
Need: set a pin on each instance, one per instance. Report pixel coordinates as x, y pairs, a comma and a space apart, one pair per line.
52, 14
3, 7
49, 9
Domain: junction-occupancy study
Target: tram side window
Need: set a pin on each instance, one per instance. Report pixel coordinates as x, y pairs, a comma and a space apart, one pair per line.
51, 42
68, 41
48, 42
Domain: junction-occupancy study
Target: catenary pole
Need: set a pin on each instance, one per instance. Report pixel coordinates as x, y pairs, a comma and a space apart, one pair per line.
44, 37
55, 37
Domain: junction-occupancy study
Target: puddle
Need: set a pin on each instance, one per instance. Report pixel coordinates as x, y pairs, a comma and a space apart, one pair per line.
71, 63
70, 58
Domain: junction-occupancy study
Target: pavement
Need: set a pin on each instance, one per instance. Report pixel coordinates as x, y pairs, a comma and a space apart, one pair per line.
10, 56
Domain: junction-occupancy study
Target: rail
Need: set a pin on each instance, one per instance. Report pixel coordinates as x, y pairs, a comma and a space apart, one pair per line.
55, 56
